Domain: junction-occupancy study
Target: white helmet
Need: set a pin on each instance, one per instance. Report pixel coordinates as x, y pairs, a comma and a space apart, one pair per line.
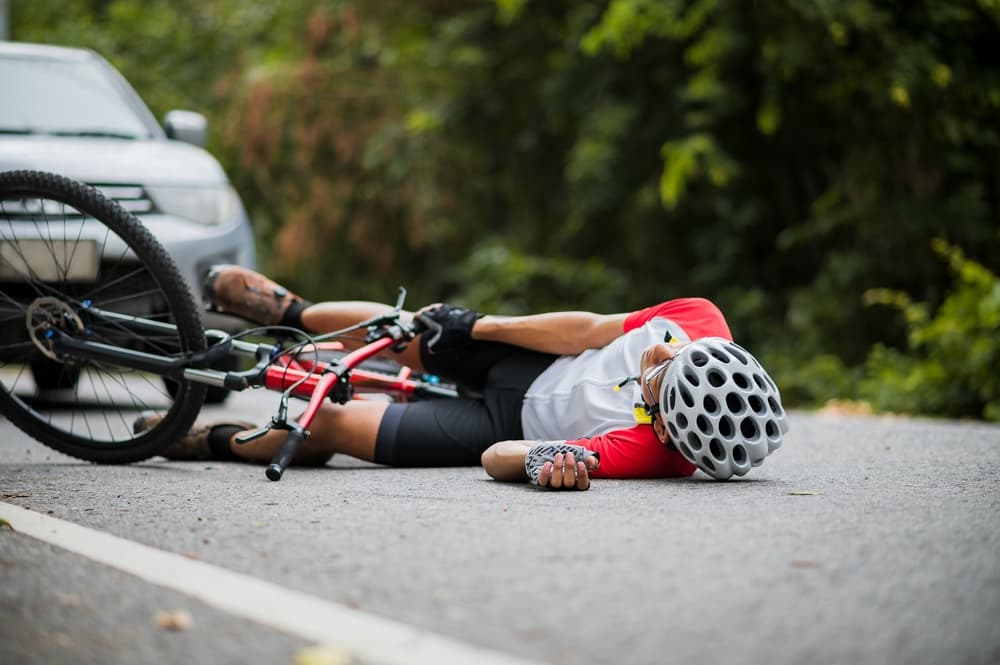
721, 408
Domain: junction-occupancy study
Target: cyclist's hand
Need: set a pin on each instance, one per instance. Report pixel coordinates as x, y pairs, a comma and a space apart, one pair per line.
560, 466
456, 326
566, 473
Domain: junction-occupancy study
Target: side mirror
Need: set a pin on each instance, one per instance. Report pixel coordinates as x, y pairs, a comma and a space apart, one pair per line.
186, 126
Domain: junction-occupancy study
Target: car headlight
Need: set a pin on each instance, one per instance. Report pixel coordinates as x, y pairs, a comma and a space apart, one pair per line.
202, 205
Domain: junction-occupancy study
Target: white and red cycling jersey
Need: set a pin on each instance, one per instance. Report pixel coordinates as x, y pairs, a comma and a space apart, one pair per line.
577, 398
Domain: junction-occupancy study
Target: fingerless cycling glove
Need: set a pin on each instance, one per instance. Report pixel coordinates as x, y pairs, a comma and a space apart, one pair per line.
456, 327
546, 451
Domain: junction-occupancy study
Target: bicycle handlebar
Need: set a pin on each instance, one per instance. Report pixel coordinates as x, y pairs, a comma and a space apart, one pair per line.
391, 327
284, 457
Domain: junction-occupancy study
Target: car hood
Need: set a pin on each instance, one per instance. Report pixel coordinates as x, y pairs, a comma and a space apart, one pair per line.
110, 161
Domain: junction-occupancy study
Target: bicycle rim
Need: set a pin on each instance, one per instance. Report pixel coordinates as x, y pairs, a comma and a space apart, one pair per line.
65, 249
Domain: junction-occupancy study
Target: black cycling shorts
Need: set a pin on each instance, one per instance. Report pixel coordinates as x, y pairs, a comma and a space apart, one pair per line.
455, 432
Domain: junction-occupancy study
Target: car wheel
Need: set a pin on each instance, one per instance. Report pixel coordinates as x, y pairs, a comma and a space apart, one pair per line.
52, 375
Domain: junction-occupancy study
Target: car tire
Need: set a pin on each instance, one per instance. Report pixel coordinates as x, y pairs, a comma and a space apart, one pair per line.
52, 375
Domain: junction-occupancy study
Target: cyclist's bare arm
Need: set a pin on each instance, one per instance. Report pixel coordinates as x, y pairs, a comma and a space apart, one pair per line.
561, 333
324, 317
505, 461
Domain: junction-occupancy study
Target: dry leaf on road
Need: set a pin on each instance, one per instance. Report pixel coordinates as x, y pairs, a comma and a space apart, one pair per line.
174, 620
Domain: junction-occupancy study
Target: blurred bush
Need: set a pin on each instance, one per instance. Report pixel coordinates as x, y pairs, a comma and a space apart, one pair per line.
950, 366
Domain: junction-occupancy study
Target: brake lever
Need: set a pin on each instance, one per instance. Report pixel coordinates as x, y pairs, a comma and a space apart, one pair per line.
278, 421
429, 324
247, 437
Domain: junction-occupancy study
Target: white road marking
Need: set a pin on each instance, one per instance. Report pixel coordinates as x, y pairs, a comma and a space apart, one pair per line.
367, 636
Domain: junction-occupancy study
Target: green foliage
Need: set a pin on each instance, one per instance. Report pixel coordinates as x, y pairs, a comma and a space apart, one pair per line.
952, 364
498, 279
812, 381
685, 157
784, 158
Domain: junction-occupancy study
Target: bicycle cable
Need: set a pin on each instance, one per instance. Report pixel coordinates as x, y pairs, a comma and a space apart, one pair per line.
277, 352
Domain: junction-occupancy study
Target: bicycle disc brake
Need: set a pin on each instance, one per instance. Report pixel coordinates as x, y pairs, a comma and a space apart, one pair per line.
46, 314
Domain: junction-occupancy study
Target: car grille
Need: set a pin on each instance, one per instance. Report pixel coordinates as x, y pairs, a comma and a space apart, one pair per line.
31, 209
131, 197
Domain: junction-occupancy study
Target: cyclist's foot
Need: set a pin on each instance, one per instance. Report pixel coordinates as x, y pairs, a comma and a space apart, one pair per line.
194, 445
248, 294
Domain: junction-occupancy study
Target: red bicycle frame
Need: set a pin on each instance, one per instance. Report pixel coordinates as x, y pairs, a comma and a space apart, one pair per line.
304, 375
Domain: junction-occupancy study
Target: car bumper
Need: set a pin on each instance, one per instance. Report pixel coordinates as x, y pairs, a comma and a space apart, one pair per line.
196, 248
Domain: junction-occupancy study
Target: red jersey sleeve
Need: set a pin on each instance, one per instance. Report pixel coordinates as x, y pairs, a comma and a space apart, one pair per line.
699, 317
635, 453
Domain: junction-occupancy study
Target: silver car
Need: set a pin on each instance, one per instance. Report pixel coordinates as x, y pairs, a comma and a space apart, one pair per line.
68, 111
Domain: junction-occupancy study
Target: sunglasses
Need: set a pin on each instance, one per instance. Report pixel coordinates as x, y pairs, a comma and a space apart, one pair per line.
645, 381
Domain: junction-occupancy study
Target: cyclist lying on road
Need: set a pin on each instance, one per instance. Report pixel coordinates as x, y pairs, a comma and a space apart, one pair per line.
565, 396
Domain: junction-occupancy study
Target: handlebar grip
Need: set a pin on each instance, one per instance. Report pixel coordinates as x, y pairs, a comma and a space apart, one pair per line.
284, 457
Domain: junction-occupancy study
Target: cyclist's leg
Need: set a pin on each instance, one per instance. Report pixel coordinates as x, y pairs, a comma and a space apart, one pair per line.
456, 432
349, 428
439, 433
433, 433
448, 432
247, 293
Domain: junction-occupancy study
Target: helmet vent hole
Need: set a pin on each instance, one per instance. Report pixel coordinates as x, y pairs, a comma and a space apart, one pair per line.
686, 396
720, 355
694, 441
672, 399
739, 455
673, 431
691, 377
771, 429
685, 450
757, 404
704, 426
707, 463
726, 427
742, 381
735, 404
749, 429
718, 452
699, 359
734, 351
775, 407
716, 378
760, 382
711, 405
682, 420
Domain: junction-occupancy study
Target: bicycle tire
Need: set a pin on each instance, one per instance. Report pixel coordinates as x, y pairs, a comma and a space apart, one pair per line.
64, 248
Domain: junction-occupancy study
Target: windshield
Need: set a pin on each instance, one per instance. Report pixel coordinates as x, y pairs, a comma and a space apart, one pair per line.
69, 98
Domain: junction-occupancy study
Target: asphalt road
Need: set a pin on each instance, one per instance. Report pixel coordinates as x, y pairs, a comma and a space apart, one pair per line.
863, 540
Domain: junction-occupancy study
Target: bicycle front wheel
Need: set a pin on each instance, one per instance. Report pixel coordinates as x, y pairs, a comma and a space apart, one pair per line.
66, 249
